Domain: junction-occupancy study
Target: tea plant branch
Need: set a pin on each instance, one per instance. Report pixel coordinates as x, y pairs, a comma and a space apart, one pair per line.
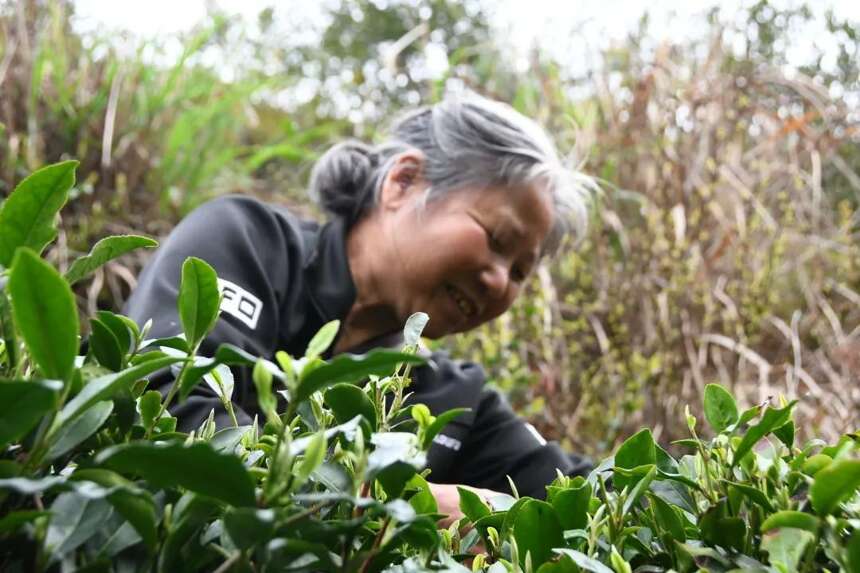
305, 513
377, 543
172, 392
228, 564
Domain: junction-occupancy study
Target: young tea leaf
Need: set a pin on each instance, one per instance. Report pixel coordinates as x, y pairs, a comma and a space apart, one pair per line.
472, 505
28, 216
106, 250
721, 411
439, 424
46, 315
638, 450
199, 300
350, 369
149, 405
414, 327
314, 456
347, 401
770, 421
322, 339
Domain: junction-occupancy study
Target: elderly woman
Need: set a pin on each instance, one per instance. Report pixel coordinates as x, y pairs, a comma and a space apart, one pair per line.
448, 216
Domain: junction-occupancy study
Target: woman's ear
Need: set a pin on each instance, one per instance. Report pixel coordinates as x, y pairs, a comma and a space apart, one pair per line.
404, 181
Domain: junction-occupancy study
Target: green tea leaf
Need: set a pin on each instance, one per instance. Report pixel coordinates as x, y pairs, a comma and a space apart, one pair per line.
772, 419
721, 411
199, 300
197, 468
668, 518
123, 328
537, 531
640, 488
423, 502
472, 505
262, 378
618, 562
753, 494
46, 315
439, 424
105, 345
348, 401
788, 518
638, 450
837, 482
16, 519
79, 429
815, 464
349, 368
75, 519
104, 387
853, 552
106, 250
249, 526
314, 457
23, 404
149, 405
322, 339
786, 546
720, 529
134, 504
28, 216
785, 433
584, 561
571, 505
414, 327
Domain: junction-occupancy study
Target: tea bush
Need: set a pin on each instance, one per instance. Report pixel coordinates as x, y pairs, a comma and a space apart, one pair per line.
95, 477
724, 248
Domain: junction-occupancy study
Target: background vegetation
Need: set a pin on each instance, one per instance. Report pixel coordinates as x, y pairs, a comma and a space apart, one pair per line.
722, 250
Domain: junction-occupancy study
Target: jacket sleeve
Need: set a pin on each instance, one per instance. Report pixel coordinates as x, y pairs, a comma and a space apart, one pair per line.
502, 444
248, 246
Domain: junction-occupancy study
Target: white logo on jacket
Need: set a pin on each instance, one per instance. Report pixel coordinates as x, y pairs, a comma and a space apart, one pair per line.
239, 303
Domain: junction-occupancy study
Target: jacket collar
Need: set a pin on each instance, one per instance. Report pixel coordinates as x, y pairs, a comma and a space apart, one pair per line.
329, 280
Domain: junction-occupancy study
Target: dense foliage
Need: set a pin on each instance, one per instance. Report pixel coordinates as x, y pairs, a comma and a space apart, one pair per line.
722, 250
95, 477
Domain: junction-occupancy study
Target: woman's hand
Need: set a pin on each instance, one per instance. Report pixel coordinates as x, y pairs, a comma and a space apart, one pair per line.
448, 500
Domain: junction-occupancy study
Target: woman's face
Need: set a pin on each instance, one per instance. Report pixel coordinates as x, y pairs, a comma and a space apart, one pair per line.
463, 258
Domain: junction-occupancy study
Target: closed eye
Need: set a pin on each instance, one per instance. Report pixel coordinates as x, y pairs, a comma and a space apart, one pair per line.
493, 241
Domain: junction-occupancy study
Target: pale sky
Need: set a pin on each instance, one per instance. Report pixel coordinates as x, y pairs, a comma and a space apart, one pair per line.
569, 30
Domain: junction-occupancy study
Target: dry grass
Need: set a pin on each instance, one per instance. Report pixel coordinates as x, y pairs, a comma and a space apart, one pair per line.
723, 250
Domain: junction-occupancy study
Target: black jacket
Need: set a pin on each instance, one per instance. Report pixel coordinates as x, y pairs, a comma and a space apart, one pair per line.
282, 278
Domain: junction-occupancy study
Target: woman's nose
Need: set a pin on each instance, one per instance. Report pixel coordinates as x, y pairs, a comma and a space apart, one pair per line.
494, 280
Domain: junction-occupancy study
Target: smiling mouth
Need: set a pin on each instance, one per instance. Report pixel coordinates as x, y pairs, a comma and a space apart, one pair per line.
466, 306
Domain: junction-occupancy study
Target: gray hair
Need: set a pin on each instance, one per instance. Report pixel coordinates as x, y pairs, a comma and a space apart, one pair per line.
468, 142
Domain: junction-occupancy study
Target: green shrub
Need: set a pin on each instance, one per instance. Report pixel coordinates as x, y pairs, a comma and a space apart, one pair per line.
95, 477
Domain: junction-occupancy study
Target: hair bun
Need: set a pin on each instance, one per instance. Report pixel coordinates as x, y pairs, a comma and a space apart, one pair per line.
340, 179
